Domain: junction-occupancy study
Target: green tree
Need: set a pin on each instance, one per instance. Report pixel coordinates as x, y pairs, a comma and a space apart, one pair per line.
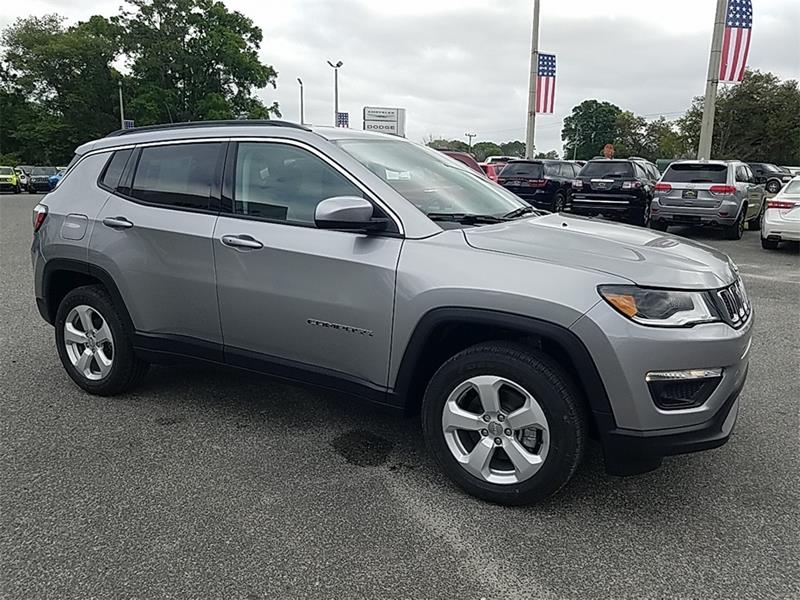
757, 120
193, 60
591, 126
662, 140
552, 154
515, 148
442, 144
483, 149
629, 138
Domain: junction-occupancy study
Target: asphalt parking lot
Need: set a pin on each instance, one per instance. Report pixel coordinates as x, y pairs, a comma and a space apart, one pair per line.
216, 484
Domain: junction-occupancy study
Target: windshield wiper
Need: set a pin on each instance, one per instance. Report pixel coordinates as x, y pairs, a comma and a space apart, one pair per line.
518, 212
465, 218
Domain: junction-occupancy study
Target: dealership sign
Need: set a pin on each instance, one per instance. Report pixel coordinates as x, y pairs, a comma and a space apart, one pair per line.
385, 120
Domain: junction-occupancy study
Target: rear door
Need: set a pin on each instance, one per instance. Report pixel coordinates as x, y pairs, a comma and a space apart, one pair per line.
153, 237
292, 296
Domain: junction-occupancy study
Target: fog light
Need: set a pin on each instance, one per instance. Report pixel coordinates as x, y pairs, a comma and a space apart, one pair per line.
676, 390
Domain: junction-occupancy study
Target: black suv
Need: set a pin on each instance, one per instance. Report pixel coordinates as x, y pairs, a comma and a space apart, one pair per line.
773, 176
541, 183
611, 187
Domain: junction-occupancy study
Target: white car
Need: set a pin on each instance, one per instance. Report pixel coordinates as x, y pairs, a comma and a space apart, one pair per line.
781, 222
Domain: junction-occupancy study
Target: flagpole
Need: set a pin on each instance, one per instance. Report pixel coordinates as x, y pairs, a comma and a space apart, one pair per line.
712, 82
529, 133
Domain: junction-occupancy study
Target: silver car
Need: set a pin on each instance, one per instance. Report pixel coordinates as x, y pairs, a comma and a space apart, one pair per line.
708, 193
370, 265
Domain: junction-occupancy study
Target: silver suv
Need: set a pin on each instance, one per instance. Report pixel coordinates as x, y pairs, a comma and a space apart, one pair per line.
709, 193
370, 265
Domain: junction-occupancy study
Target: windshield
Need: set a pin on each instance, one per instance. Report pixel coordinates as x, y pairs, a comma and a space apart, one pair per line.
696, 173
773, 168
6, 171
43, 171
792, 188
430, 181
523, 169
607, 168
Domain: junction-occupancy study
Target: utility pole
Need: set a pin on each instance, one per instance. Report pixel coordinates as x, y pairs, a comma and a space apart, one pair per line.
712, 82
577, 138
469, 137
335, 90
529, 132
121, 107
302, 115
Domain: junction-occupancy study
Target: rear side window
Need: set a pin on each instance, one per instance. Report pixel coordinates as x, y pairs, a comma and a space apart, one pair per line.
696, 173
114, 169
523, 169
180, 175
607, 168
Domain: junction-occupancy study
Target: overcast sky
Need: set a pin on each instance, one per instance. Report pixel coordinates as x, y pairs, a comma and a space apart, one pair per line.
462, 65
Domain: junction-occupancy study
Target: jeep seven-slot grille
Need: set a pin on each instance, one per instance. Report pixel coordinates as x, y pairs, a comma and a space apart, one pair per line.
733, 304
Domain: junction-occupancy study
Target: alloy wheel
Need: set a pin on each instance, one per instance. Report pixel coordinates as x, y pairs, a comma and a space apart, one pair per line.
496, 429
89, 342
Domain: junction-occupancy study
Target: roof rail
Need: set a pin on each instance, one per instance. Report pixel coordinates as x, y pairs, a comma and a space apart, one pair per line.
201, 124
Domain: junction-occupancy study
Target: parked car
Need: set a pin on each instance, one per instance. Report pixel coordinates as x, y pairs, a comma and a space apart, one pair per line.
54, 179
772, 176
23, 178
708, 193
492, 170
618, 188
9, 181
366, 264
795, 171
541, 183
464, 158
40, 179
500, 159
781, 222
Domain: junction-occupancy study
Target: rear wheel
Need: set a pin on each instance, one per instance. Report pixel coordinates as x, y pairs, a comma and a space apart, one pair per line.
754, 224
659, 225
736, 231
768, 244
773, 186
559, 203
94, 344
505, 423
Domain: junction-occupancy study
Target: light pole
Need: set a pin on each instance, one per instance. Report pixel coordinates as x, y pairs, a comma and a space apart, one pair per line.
302, 114
335, 90
121, 107
469, 137
529, 132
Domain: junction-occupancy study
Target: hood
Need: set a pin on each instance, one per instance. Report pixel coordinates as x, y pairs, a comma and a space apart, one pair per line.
643, 256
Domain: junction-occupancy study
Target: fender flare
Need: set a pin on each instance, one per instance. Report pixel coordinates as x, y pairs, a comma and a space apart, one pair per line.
589, 377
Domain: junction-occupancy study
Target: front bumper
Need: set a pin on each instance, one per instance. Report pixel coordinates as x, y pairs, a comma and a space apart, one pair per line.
41, 186
639, 432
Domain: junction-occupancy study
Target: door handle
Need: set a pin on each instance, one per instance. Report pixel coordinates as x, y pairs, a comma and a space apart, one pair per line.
242, 241
117, 223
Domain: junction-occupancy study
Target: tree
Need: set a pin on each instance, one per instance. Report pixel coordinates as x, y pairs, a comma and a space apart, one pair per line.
662, 140
552, 154
591, 125
755, 120
515, 148
629, 137
442, 144
482, 150
193, 60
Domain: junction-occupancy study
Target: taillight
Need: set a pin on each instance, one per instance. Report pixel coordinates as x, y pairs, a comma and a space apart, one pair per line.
39, 214
663, 187
781, 203
722, 189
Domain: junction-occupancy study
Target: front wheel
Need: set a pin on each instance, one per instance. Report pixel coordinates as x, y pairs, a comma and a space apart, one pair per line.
94, 344
505, 423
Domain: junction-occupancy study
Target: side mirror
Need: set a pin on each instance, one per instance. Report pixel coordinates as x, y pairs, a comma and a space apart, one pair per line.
349, 213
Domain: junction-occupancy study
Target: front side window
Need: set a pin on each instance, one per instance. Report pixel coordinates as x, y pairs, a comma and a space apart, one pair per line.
430, 182
285, 183
178, 175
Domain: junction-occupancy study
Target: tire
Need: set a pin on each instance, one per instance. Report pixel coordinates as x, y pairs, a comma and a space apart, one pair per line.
125, 368
768, 244
773, 186
736, 231
17, 189
659, 225
754, 224
559, 203
513, 367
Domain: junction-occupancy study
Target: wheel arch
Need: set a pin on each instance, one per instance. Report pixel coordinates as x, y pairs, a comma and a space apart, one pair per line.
443, 332
62, 275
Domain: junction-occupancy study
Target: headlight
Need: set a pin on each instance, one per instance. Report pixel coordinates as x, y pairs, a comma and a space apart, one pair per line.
659, 308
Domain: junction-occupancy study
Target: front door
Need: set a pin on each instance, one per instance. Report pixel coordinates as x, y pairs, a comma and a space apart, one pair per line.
292, 296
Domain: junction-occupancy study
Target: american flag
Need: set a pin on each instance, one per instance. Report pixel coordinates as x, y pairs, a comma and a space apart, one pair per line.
546, 84
736, 43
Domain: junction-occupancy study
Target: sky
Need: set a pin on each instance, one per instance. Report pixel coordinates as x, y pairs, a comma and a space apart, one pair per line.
461, 66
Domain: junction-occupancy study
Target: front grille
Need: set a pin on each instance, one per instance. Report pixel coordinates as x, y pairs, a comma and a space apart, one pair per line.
733, 304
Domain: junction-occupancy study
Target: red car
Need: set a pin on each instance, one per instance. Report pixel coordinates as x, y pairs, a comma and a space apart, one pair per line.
492, 170
465, 158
